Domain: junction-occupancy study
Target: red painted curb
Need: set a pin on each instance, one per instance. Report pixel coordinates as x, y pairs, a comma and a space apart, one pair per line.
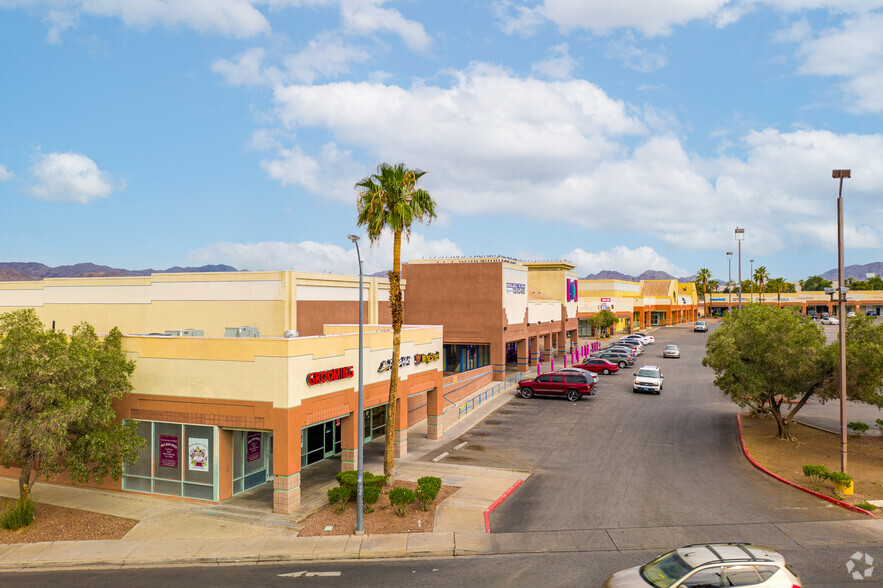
497, 502
792, 484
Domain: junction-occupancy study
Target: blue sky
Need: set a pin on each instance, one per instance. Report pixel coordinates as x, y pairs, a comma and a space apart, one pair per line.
626, 135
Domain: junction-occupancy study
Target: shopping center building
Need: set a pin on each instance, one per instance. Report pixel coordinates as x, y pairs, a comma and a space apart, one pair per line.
638, 305
809, 303
246, 378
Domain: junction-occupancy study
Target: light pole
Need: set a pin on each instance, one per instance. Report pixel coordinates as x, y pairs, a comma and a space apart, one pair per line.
729, 282
841, 315
740, 236
751, 277
360, 452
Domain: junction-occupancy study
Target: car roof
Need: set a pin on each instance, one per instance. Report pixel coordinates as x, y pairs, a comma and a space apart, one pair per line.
670, 345
707, 553
650, 367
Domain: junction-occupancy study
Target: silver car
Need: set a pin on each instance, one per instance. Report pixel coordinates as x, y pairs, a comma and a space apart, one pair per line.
671, 351
711, 564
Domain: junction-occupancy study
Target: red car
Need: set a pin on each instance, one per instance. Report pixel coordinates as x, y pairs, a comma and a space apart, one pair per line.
572, 386
599, 365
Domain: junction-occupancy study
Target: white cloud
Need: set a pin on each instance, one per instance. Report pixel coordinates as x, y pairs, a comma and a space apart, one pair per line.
367, 16
633, 56
332, 174
559, 66
853, 52
5, 174
326, 56
310, 256
518, 19
58, 21
624, 260
247, 70
651, 17
70, 177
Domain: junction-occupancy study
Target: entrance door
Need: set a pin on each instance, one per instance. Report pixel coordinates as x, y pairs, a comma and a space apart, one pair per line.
252, 459
375, 423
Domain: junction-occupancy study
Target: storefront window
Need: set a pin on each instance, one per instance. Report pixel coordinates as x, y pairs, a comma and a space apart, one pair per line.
462, 358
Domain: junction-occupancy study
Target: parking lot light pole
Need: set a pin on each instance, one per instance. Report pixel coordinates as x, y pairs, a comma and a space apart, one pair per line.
360, 422
729, 283
751, 279
740, 236
841, 312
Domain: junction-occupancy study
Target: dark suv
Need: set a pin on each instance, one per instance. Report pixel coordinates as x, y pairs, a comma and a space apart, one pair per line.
572, 386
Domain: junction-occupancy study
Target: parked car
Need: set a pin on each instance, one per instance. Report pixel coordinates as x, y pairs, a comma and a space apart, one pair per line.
644, 339
871, 313
597, 365
630, 351
648, 379
638, 346
620, 357
590, 375
671, 351
570, 385
850, 314
830, 320
700, 326
711, 564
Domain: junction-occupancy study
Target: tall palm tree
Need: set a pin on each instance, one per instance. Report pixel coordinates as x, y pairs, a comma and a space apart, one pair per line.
702, 278
778, 284
761, 276
390, 199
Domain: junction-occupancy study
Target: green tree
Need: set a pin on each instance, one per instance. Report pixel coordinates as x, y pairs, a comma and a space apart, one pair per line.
766, 356
778, 286
703, 277
390, 199
761, 275
56, 394
603, 321
815, 284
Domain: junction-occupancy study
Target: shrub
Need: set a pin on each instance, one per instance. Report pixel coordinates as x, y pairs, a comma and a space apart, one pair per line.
840, 480
370, 495
857, 427
880, 425
400, 498
865, 505
350, 479
427, 490
816, 474
339, 496
19, 514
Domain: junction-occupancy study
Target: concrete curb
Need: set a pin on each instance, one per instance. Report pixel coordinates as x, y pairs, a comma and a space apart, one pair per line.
498, 502
789, 482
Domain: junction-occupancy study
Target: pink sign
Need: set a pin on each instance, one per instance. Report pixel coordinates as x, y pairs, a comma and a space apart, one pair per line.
252, 446
168, 451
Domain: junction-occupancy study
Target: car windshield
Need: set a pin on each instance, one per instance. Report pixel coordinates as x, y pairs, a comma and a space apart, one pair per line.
665, 570
648, 373
671, 347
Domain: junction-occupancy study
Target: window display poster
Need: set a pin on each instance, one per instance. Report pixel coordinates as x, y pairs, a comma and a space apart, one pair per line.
168, 451
198, 454
253, 446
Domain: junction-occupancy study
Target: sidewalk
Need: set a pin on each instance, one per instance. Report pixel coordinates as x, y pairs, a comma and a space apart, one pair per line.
244, 529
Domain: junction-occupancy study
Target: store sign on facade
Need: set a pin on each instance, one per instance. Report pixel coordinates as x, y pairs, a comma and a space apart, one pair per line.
426, 357
198, 454
515, 288
253, 446
330, 375
419, 358
168, 451
572, 290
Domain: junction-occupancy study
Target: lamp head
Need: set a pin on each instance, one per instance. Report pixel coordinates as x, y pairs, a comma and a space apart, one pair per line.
830, 291
840, 173
729, 252
353, 238
740, 234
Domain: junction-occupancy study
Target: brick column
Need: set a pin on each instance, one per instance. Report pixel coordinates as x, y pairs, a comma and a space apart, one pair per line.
286, 465
349, 440
534, 350
400, 444
523, 359
435, 427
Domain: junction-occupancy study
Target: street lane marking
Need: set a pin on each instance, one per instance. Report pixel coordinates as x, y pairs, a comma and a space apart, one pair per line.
306, 574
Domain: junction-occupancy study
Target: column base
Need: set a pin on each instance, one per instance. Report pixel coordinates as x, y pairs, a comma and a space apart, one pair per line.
286, 493
435, 428
400, 444
348, 460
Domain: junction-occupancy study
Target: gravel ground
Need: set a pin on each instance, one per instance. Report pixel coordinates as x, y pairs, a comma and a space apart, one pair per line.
383, 520
56, 523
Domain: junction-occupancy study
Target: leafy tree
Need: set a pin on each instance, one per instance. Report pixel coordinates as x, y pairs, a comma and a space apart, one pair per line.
602, 321
778, 285
390, 199
815, 284
56, 393
703, 277
766, 356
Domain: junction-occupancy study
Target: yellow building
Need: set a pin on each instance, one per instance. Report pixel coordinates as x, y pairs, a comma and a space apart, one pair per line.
638, 305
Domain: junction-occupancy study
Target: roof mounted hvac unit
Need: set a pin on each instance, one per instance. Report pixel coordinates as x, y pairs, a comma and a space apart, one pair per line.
242, 332
185, 332
290, 334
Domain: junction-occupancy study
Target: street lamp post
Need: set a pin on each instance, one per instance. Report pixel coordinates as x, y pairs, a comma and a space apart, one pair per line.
751, 278
360, 452
740, 236
841, 312
729, 283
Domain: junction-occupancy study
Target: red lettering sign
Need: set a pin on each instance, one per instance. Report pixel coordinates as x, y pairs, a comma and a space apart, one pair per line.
333, 375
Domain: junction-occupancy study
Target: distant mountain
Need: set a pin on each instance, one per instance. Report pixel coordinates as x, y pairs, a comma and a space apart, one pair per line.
17, 271
614, 275
857, 272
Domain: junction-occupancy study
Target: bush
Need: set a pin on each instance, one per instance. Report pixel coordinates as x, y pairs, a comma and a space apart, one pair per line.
840, 480
370, 495
349, 479
400, 498
427, 490
865, 505
857, 427
19, 514
816, 474
880, 425
339, 496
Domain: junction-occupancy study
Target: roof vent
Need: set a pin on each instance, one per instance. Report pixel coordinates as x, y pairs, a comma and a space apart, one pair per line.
185, 332
290, 334
242, 332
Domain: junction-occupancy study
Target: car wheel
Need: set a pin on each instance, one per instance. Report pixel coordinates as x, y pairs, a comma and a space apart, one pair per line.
622, 365
605, 371
572, 395
658, 392
526, 393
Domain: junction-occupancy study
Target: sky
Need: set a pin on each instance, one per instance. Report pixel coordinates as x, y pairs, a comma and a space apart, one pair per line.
630, 136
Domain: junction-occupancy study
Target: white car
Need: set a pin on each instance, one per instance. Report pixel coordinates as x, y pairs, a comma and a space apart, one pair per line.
700, 326
830, 320
850, 314
671, 351
648, 379
644, 339
711, 564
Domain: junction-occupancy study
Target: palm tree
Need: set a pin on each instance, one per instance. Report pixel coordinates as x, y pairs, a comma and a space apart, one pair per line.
390, 199
761, 276
702, 278
779, 284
